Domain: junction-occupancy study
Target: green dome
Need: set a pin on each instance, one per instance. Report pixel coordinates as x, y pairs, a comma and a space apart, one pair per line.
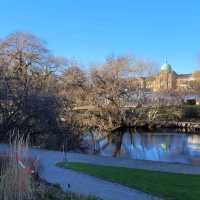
166, 67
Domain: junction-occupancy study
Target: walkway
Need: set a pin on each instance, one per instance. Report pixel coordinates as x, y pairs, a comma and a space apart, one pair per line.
88, 185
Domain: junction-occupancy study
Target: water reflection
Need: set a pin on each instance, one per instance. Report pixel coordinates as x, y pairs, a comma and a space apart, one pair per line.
168, 147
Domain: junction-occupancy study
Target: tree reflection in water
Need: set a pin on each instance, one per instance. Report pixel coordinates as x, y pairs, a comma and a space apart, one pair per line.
117, 139
158, 146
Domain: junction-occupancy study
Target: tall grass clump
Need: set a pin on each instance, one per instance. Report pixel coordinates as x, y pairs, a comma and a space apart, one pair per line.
15, 182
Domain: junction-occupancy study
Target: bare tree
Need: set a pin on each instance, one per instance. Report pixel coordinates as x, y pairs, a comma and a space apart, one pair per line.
27, 94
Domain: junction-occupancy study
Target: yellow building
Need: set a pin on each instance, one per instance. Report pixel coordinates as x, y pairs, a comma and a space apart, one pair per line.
168, 80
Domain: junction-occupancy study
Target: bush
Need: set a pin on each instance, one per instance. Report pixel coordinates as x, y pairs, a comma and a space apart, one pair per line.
44, 191
191, 112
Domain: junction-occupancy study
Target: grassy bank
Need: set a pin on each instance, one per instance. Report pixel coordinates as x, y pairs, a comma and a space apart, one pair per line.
167, 185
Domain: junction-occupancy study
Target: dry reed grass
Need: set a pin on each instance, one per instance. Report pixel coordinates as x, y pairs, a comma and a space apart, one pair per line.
16, 183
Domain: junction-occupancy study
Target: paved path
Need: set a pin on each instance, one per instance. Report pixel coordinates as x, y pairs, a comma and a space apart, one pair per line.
88, 185
85, 184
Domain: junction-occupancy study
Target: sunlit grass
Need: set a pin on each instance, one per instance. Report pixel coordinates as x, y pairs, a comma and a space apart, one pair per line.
167, 185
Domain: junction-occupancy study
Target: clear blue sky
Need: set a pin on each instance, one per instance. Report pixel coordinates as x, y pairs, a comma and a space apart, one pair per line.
89, 30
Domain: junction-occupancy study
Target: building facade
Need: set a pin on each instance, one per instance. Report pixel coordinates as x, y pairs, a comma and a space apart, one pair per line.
168, 80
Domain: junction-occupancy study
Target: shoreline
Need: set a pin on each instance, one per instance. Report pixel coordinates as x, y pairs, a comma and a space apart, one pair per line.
179, 126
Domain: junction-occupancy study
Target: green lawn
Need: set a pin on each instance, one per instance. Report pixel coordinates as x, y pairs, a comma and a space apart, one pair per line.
167, 185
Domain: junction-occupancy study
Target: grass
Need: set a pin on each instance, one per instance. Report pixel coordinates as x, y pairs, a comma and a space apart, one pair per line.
167, 185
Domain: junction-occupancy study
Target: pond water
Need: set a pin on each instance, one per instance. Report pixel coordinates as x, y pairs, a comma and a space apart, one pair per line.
167, 147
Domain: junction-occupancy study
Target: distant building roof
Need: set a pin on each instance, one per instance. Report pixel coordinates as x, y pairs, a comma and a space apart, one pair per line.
185, 75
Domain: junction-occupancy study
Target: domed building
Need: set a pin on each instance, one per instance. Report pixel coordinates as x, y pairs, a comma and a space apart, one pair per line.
168, 80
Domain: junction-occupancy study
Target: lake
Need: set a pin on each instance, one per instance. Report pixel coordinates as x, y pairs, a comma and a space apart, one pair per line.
156, 146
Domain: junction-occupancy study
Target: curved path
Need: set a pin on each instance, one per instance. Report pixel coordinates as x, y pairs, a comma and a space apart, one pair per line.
82, 183
88, 185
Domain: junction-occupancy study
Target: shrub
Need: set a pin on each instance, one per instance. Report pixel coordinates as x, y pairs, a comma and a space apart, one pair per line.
191, 112
44, 191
